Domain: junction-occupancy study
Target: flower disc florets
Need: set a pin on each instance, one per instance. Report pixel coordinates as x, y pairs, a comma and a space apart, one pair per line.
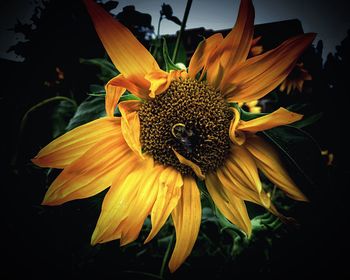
193, 119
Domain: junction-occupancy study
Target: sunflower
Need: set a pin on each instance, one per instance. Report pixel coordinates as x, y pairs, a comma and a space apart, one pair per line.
296, 79
183, 127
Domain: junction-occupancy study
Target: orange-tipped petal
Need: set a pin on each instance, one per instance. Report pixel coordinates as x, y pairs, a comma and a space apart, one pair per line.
169, 193
261, 74
129, 56
116, 87
67, 148
92, 172
277, 118
269, 162
232, 207
187, 219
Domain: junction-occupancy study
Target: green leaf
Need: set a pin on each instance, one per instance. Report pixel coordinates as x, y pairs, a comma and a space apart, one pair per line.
302, 154
90, 109
107, 69
128, 96
169, 64
307, 120
246, 116
61, 115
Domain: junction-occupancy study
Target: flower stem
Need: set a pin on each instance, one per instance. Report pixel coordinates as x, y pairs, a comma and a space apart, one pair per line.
183, 25
25, 118
166, 256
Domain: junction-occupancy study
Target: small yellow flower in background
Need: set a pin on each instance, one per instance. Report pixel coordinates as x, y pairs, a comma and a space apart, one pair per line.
328, 156
251, 106
182, 128
296, 79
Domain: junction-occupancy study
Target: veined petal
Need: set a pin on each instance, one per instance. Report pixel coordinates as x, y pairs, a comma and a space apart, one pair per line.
201, 55
129, 56
142, 205
92, 172
236, 45
232, 207
277, 118
261, 74
240, 175
196, 169
187, 218
67, 148
119, 201
116, 87
270, 164
169, 193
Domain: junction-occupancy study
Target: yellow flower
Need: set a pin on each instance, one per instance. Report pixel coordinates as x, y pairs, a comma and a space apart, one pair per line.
251, 106
296, 79
182, 128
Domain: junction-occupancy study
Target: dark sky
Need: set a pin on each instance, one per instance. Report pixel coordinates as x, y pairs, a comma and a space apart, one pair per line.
330, 19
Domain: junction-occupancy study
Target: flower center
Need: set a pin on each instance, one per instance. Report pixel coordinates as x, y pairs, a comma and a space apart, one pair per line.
191, 118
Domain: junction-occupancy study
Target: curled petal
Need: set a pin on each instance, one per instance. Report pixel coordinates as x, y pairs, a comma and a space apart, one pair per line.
116, 87
277, 118
196, 169
236, 136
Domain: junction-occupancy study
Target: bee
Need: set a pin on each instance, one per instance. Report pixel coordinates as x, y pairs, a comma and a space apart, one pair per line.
184, 135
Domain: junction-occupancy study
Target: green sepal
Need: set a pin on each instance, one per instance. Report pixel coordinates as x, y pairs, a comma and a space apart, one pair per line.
169, 64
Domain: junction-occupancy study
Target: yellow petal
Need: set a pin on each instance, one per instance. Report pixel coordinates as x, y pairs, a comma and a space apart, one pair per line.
232, 207
130, 124
129, 56
270, 164
116, 87
187, 218
260, 74
200, 57
67, 148
236, 45
169, 193
277, 118
236, 136
240, 175
92, 172
142, 205
196, 169
119, 201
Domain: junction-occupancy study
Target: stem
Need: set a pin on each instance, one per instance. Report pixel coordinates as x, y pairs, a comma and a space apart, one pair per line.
166, 256
184, 21
25, 118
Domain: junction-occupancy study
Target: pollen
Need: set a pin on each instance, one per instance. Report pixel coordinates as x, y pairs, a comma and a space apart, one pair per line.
192, 118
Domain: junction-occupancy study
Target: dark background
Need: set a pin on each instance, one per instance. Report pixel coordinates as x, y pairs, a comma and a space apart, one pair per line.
54, 241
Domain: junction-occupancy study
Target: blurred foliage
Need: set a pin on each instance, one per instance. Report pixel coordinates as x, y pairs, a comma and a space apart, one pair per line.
64, 60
